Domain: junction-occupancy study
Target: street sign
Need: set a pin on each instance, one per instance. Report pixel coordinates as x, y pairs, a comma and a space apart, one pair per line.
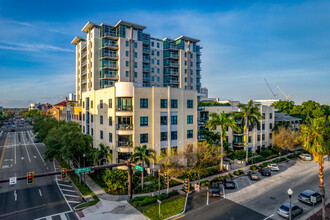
12, 180
196, 187
313, 199
82, 170
139, 168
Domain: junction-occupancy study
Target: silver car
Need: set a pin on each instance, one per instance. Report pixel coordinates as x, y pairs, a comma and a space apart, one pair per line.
305, 156
306, 196
284, 210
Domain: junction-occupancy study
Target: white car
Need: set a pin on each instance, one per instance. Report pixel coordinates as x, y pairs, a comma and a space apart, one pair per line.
305, 156
273, 167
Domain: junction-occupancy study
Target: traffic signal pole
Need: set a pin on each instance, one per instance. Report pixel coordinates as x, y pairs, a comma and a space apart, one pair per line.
130, 188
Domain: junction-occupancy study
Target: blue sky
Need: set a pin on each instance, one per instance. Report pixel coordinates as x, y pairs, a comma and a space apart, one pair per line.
286, 42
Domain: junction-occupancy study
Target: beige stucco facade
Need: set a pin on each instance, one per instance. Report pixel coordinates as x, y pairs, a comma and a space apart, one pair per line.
128, 115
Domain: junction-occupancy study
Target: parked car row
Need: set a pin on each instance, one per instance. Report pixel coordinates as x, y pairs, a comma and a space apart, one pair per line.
307, 196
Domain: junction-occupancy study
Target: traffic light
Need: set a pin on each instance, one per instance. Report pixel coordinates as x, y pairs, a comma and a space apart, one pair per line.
63, 173
145, 173
29, 178
165, 176
186, 185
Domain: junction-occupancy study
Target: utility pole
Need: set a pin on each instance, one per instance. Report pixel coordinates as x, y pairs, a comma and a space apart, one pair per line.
130, 195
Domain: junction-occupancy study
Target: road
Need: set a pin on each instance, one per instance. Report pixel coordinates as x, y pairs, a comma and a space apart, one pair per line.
260, 199
49, 197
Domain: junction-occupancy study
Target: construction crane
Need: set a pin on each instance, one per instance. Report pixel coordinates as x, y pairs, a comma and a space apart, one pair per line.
275, 95
286, 96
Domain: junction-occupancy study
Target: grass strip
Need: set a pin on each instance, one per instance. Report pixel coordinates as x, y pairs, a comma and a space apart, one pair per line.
168, 208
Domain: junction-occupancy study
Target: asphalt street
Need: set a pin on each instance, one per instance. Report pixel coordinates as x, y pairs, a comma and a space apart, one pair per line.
42, 199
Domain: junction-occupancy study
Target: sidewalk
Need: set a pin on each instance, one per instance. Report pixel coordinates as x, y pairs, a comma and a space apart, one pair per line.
109, 206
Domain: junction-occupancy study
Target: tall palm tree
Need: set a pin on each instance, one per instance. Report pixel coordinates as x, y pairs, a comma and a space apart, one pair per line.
315, 138
225, 121
143, 155
250, 114
103, 153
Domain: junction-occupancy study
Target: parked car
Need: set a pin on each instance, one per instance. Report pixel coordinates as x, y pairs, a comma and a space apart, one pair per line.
36, 140
284, 210
265, 172
215, 190
254, 175
273, 167
305, 156
229, 183
306, 196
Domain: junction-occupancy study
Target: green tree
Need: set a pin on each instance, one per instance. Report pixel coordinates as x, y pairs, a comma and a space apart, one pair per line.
101, 154
224, 121
283, 106
250, 114
143, 155
315, 138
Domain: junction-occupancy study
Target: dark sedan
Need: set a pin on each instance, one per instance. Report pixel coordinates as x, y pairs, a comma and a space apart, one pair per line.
215, 190
306, 196
229, 184
265, 172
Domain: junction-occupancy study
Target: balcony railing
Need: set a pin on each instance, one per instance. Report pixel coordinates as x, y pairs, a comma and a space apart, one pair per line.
84, 63
84, 81
172, 55
112, 55
172, 81
84, 46
126, 108
110, 45
172, 64
146, 50
125, 127
84, 54
83, 72
109, 34
124, 143
170, 46
146, 69
110, 76
146, 60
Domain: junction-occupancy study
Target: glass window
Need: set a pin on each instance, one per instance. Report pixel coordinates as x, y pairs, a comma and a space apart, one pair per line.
250, 139
163, 136
135, 45
270, 115
163, 103
110, 137
143, 121
143, 103
101, 119
152, 78
157, 70
263, 115
258, 137
190, 134
157, 79
91, 104
174, 103
101, 134
157, 62
126, 63
143, 138
152, 52
135, 74
126, 53
174, 120
152, 69
135, 54
92, 131
263, 126
270, 125
158, 53
163, 120
152, 43
152, 61
190, 104
127, 43
270, 135
135, 64
174, 135
157, 45
101, 103
110, 103
189, 119
263, 137
126, 73
110, 121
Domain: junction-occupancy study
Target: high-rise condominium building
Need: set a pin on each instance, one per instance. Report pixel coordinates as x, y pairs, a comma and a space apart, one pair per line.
124, 53
136, 90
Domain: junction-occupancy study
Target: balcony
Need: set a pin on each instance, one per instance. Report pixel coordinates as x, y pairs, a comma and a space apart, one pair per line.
146, 77
198, 68
172, 55
110, 76
126, 108
84, 63
172, 72
84, 90
198, 60
146, 60
172, 81
83, 55
203, 119
110, 34
171, 47
172, 64
146, 50
110, 45
84, 81
84, 46
109, 56
124, 147
146, 69
84, 72
125, 127
110, 66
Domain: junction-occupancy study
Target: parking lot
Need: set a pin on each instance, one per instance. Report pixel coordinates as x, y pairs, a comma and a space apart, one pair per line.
269, 193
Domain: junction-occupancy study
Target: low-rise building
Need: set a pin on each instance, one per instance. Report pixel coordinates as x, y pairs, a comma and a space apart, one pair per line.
261, 136
128, 115
284, 119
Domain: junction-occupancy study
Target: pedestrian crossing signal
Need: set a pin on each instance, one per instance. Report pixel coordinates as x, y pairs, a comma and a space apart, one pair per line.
63, 173
29, 178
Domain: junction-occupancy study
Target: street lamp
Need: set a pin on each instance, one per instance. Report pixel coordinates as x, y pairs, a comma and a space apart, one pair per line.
290, 192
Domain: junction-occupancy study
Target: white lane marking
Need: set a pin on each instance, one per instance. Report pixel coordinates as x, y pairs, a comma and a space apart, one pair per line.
71, 195
65, 185
40, 192
26, 149
269, 217
60, 188
50, 216
8, 159
74, 201
223, 190
15, 195
248, 180
68, 190
236, 185
37, 149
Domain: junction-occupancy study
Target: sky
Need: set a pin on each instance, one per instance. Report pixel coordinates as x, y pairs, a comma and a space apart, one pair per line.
244, 42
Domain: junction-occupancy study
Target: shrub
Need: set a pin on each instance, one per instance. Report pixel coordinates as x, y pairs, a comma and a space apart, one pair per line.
264, 164
276, 161
138, 198
229, 175
218, 179
204, 183
238, 172
146, 201
272, 156
173, 193
162, 196
283, 159
266, 153
253, 167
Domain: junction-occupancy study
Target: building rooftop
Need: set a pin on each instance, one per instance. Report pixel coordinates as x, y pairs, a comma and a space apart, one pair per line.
76, 40
285, 117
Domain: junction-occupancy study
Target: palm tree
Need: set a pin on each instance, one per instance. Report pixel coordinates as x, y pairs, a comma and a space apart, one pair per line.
143, 155
103, 153
250, 114
315, 138
225, 121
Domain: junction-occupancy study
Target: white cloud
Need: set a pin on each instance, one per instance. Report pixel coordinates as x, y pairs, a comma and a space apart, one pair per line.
31, 47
